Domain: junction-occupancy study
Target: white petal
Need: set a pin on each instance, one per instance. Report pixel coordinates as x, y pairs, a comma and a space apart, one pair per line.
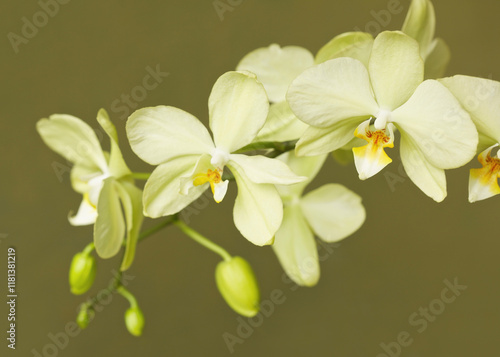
281, 125
317, 141
220, 190
238, 108
276, 67
420, 24
73, 139
333, 212
117, 165
303, 166
258, 210
481, 98
109, 228
80, 176
158, 134
436, 122
332, 91
86, 214
396, 68
296, 249
261, 169
357, 45
162, 196
430, 179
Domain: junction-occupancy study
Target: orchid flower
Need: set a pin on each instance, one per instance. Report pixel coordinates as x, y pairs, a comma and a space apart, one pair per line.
332, 212
102, 178
481, 98
190, 161
342, 98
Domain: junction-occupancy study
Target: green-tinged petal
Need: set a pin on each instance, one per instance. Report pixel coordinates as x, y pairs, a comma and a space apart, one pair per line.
296, 249
258, 209
131, 199
481, 98
261, 169
80, 175
317, 141
158, 134
85, 216
281, 125
333, 212
162, 196
437, 60
436, 122
357, 45
109, 228
303, 166
238, 108
117, 165
420, 24
332, 91
276, 67
73, 139
430, 179
396, 68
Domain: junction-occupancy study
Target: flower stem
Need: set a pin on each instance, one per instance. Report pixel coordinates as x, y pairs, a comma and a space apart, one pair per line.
140, 175
127, 295
168, 221
203, 240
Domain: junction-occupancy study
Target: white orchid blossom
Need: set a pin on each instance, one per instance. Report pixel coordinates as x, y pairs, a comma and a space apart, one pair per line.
342, 99
481, 98
332, 212
190, 161
102, 178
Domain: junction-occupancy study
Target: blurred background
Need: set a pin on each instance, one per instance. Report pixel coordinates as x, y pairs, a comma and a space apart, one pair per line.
89, 54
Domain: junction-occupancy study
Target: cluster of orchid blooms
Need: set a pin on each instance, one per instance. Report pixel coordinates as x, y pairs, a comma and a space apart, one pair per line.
274, 121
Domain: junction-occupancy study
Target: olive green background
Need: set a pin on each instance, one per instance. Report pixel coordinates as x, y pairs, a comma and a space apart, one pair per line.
91, 52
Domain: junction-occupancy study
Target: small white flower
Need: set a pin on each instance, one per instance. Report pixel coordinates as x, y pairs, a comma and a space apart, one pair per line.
190, 161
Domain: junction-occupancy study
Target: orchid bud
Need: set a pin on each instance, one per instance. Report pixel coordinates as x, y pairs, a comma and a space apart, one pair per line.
84, 316
237, 284
82, 273
134, 320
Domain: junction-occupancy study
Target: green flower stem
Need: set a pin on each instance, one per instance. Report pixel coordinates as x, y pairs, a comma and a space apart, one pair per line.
89, 248
203, 240
127, 295
168, 221
140, 175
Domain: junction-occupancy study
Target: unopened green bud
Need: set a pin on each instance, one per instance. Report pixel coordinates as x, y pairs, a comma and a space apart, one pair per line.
134, 320
237, 284
82, 273
84, 316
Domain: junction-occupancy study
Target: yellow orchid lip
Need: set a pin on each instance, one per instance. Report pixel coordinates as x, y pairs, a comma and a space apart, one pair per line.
212, 176
483, 182
371, 158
